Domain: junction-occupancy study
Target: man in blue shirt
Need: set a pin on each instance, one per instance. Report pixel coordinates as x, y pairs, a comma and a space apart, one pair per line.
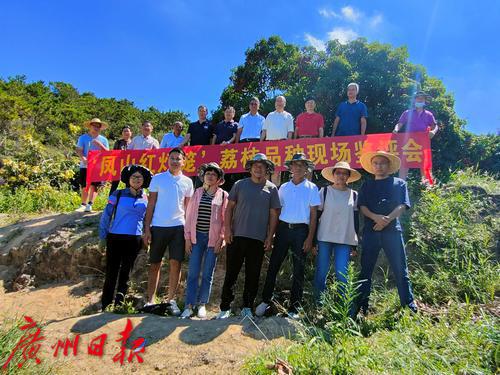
250, 125
350, 118
225, 131
382, 201
174, 138
200, 132
90, 142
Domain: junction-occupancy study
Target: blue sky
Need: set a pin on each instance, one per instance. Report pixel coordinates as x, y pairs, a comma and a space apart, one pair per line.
175, 54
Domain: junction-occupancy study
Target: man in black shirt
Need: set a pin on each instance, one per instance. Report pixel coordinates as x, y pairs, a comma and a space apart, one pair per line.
225, 131
200, 132
121, 144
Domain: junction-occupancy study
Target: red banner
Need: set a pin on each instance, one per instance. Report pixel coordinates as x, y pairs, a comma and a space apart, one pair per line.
413, 149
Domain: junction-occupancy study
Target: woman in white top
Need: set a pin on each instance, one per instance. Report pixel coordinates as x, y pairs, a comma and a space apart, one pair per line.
336, 229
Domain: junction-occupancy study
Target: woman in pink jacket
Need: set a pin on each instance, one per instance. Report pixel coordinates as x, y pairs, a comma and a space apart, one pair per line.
204, 234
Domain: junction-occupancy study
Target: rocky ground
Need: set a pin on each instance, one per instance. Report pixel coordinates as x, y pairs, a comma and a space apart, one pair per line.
51, 270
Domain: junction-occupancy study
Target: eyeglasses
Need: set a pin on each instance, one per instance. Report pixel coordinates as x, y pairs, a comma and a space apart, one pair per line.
253, 103
137, 177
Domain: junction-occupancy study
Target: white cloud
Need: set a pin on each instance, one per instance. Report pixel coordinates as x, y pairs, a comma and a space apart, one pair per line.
376, 20
328, 13
342, 34
315, 42
351, 14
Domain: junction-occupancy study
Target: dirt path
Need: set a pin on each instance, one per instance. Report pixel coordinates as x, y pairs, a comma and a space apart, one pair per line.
173, 346
53, 249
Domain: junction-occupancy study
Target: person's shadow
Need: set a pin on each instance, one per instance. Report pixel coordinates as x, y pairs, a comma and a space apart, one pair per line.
155, 328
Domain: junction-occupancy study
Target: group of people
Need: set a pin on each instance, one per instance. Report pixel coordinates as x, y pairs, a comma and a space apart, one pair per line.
350, 119
255, 217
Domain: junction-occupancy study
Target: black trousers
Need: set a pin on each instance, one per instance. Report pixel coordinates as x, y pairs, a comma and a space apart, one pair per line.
251, 252
287, 237
121, 252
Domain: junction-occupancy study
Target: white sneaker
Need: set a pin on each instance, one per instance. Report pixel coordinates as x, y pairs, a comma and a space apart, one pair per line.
202, 312
81, 208
186, 314
261, 309
246, 312
88, 208
173, 308
223, 314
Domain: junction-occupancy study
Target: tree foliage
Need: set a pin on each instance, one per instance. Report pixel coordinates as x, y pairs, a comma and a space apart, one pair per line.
40, 122
387, 82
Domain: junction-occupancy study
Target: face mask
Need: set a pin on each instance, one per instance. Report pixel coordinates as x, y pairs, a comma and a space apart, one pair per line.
419, 105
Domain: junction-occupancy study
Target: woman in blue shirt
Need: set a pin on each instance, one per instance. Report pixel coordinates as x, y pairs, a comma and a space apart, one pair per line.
382, 201
121, 229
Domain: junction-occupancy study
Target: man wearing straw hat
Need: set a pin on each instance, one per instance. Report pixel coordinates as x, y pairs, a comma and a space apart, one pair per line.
299, 200
382, 201
250, 223
89, 142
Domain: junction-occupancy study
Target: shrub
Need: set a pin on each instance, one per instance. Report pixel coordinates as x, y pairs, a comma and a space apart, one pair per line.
453, 237
44, 199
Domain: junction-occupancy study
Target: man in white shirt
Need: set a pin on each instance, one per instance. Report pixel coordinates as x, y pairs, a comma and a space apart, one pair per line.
279, 123
277, 126
250, 124
297, 224
169, 195
174, 138
144, 141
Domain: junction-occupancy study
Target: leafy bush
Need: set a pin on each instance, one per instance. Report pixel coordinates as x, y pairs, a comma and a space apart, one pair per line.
44, 199
453, 233
453, 240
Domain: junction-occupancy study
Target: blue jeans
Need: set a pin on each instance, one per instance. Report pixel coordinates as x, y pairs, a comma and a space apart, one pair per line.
341, 254
202, 258
392, 243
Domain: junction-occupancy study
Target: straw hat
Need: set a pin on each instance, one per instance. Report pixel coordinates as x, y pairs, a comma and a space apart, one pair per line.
95, 120
328, 172
366, 161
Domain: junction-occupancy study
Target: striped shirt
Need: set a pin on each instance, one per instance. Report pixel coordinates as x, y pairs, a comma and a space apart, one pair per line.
204, 212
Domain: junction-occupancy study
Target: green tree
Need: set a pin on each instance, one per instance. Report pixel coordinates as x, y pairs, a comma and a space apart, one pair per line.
387, 82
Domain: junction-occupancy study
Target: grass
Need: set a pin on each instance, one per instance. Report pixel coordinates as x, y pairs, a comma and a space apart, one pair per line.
452, 235
9, 337
463, 340
44, 199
